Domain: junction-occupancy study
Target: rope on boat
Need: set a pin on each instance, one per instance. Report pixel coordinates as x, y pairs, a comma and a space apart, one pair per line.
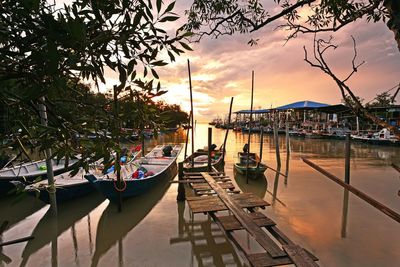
116, 186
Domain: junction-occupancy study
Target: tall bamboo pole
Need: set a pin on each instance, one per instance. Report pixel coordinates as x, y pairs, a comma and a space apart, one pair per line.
187, 136
227, 130
251, 117
191, 108
49, 165
117, 155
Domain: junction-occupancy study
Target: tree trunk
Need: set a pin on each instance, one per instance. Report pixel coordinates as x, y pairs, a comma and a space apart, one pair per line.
393, 7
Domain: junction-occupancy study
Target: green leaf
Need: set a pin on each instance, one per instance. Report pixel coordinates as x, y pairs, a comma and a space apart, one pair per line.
187, 47
153, 71
169, 18
159, 2
170, 7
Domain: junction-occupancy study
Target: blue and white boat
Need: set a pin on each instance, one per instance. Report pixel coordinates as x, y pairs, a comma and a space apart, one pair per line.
141, 175
70, 187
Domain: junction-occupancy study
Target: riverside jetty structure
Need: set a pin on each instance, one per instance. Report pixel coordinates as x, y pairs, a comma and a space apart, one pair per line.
315, 116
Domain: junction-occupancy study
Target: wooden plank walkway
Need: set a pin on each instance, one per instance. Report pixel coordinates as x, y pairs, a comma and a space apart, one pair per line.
216, 194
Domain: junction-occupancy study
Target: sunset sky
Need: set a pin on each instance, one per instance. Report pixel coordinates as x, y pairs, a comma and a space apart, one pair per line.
221, 68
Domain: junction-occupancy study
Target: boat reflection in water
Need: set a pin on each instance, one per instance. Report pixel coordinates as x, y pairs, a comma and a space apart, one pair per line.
113, 226
50, 227
255, 186
13, 211
209, 245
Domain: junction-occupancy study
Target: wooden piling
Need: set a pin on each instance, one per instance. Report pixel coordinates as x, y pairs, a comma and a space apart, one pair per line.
209, 149
261, 146
187, 136
191, 108
181, 188
287, 139
227, 130
276, 138
251, 118
347, 160
49, 165
386, 210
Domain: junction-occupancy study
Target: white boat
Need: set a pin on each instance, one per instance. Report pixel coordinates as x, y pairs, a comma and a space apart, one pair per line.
28, 172
383, 137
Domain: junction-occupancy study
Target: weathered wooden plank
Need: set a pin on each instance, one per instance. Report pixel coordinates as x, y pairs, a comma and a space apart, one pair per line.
206, 204
206, 186
259, 235
199, 173
265, 260
230, 223
299, 256
201, 177
212, 193
249, 200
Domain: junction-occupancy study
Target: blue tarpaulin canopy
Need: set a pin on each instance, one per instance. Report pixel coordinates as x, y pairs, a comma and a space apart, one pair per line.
247, 111
303, 105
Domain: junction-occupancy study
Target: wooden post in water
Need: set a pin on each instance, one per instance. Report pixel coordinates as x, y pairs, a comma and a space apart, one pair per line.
278, 156
187, 136
287, 139
251, 118
287, 152
347, 181
209, 149
261, 146
49, 165
181, 188
227, 130
191, 108
347, 160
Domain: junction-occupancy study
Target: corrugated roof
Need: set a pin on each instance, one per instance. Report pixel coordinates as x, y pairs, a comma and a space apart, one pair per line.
303, 105
247, 111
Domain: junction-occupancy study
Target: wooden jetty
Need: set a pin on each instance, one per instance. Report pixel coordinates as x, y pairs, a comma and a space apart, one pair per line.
214, 194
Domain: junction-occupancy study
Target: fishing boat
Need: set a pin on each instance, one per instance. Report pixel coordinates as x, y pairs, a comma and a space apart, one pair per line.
67, 187
141, 175
255, 168
200, 161
29, 172
383, 137
74, 186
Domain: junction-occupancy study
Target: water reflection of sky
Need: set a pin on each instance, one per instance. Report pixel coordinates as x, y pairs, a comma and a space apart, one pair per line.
155, 231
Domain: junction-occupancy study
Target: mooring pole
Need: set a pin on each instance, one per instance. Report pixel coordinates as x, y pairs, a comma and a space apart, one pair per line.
187, 136
278, 156
261, 146
181, 188
347, 160
191, 108
209, 148
251, 118
287, 139
49, 165
347, 181
227, 131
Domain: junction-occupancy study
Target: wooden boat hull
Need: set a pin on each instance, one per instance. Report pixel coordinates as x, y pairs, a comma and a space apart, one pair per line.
187, 166
133, 187
163, 167
253, 170
65, 193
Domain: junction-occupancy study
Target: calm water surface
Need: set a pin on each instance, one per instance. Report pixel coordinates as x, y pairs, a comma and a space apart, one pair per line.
155, 230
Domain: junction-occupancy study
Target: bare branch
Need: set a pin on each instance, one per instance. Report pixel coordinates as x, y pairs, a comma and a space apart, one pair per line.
320, 47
